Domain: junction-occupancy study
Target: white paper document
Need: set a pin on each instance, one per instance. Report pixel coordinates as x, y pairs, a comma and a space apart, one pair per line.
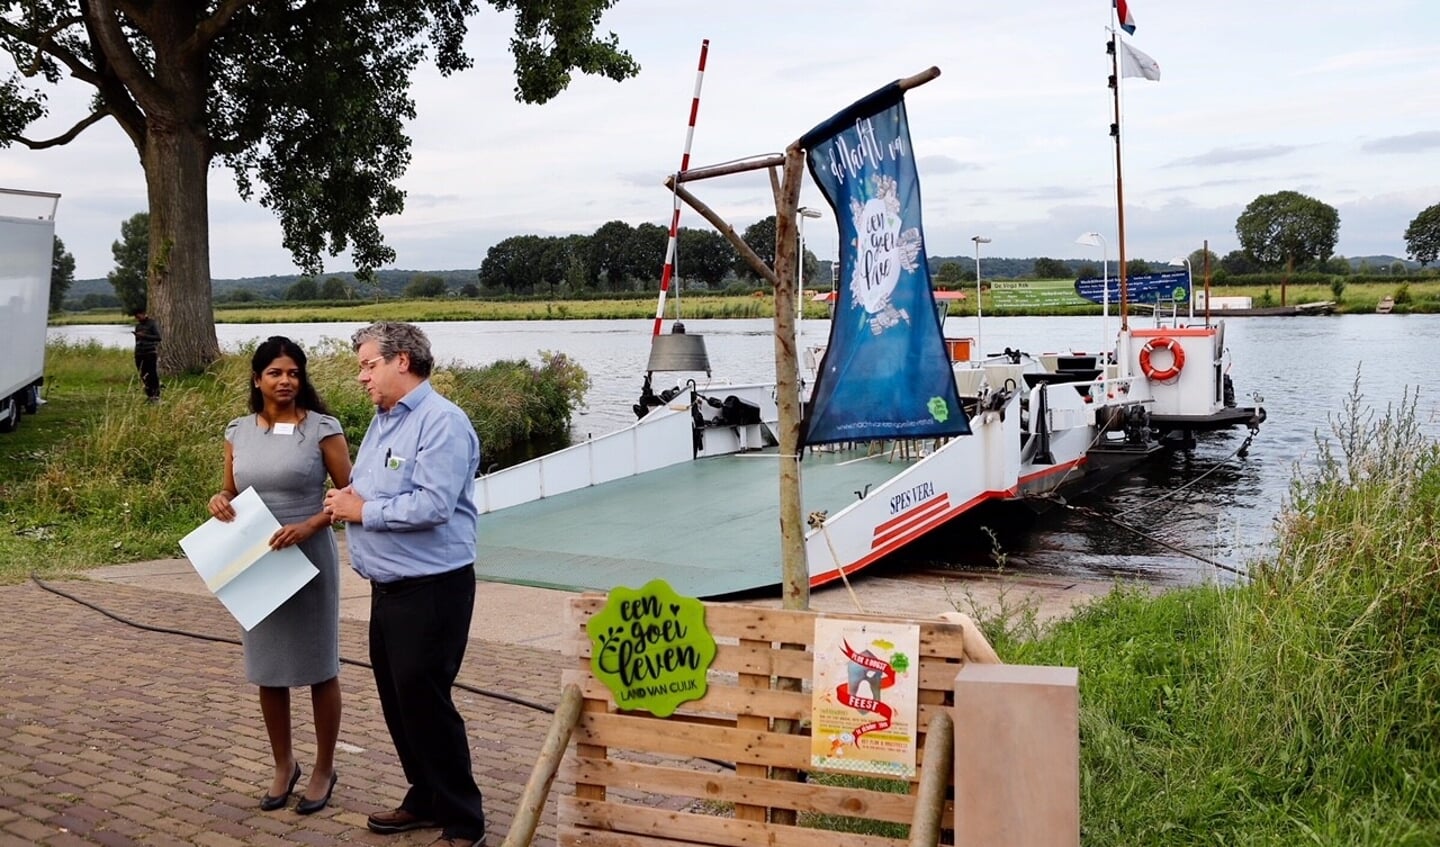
238, 566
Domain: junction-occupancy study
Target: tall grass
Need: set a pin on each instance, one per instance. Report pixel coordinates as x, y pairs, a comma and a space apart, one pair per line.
1301, 707
99, 476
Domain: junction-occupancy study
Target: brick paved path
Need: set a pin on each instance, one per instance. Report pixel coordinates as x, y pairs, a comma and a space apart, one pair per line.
114, 735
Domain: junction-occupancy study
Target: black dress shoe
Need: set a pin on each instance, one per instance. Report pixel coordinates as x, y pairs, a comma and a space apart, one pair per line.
310, 807
270, 804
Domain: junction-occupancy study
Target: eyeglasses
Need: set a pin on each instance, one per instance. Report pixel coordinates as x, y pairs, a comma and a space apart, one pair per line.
368, 365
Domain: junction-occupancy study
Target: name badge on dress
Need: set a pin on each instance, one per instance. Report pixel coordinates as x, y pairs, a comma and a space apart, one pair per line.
284, 429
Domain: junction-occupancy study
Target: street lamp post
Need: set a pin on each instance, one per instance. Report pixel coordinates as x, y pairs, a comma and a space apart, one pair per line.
1095, 239
801, 214
979, 314
1184, 261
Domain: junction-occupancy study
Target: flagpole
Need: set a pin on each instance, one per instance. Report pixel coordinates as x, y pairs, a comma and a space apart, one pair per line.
669, 267
1119, 180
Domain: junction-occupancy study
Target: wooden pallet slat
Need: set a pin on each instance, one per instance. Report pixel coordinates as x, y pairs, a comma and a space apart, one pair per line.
707, 829
733, 788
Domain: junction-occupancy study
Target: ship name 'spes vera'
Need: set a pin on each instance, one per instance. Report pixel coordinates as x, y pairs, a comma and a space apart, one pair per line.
905, 499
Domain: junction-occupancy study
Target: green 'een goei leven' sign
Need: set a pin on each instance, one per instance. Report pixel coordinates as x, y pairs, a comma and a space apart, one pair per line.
651, 648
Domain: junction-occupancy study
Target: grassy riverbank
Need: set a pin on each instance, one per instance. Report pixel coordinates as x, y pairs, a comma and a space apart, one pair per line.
99, 476
1300, 707
1422, 295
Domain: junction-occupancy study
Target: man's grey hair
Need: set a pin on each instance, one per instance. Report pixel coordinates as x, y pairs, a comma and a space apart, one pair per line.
392, 337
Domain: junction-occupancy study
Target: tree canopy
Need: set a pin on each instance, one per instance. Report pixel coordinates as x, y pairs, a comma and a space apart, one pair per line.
306, 102
303, 290
760, 237
1136, 267
62, 274
1288, 228
1198, 259
1422, 236
1048, 268
132, 256
334, 288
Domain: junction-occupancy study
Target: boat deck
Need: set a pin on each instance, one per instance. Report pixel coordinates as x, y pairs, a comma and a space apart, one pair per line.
709, 528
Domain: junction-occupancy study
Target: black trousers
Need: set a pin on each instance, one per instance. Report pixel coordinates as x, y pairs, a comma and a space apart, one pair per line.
418, 631
148, 365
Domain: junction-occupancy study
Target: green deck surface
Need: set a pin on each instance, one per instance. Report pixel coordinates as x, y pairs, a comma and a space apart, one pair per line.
709, 527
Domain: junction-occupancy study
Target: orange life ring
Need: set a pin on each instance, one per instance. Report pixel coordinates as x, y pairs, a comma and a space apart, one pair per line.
1177, 356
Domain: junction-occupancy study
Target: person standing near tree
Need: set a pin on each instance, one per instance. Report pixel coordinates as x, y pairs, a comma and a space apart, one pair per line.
147, 354
411, 517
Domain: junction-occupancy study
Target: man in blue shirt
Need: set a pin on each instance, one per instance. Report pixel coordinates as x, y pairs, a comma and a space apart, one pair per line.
411, 515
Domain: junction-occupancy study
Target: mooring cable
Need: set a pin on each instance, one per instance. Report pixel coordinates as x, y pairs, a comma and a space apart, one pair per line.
221, 639
1158, 540
1115, 518
1244, 445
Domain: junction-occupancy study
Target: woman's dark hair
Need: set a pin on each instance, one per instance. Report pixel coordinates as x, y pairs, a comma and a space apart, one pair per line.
306, 397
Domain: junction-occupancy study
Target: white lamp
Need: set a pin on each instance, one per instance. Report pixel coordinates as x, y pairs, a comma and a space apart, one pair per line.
979, 332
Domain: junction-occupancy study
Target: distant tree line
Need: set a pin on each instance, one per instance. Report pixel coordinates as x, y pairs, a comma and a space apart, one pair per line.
1285, 233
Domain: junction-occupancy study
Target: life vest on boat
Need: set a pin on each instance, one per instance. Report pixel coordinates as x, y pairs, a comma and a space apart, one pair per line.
1177, 359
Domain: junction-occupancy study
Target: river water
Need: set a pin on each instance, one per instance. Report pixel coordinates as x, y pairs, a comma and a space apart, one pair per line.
1224, 513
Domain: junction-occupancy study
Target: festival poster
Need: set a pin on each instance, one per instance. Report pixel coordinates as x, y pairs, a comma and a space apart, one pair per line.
865, 698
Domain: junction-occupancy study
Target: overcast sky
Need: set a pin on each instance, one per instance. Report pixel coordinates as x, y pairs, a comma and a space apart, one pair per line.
1332, 99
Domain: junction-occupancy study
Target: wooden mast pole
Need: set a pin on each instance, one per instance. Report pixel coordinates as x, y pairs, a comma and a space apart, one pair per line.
795, 571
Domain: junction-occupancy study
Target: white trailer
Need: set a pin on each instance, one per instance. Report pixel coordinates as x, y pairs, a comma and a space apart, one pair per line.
27, 237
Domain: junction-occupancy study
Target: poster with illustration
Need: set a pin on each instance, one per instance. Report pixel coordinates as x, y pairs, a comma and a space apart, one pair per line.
865, 701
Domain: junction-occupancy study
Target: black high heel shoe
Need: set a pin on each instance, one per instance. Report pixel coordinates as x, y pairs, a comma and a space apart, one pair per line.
310, 807
270, 804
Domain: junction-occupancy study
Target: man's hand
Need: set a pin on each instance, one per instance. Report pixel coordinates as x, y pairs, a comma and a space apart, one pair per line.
343, 504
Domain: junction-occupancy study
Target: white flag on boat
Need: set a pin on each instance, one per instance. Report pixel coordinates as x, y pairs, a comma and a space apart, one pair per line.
1135, 62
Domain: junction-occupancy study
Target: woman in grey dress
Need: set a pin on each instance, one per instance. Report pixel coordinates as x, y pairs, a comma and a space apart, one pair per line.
285, 450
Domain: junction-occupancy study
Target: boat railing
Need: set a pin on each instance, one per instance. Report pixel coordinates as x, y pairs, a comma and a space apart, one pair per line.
661, 439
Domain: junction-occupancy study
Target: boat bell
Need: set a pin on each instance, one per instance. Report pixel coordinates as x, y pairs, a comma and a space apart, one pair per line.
678, 351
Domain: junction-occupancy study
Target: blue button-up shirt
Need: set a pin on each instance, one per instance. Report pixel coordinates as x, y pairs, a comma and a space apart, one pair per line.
416, 472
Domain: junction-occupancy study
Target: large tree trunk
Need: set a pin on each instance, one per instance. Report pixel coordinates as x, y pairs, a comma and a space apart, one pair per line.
176, 162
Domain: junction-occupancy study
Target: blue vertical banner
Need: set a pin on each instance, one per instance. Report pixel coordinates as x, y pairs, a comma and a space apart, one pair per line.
886, 372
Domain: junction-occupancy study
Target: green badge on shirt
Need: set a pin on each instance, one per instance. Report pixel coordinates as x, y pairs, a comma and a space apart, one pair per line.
651, 648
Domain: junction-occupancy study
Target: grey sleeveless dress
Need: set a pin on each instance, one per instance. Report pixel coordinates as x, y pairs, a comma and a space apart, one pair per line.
298, 644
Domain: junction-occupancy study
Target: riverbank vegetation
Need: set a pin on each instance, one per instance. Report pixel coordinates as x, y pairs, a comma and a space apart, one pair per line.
1299, 707
99, 476
1419, 295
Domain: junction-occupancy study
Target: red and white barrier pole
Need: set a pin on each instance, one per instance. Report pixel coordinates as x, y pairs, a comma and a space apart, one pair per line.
684, 166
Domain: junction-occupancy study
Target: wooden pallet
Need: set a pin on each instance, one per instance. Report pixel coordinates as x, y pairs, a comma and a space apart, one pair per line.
715, 772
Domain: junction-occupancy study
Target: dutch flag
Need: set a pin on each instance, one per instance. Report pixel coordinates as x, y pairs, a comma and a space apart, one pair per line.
1122, 11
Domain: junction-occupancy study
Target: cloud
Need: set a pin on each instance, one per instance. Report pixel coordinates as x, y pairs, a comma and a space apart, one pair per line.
1415, 142
937, 165
1233, 155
